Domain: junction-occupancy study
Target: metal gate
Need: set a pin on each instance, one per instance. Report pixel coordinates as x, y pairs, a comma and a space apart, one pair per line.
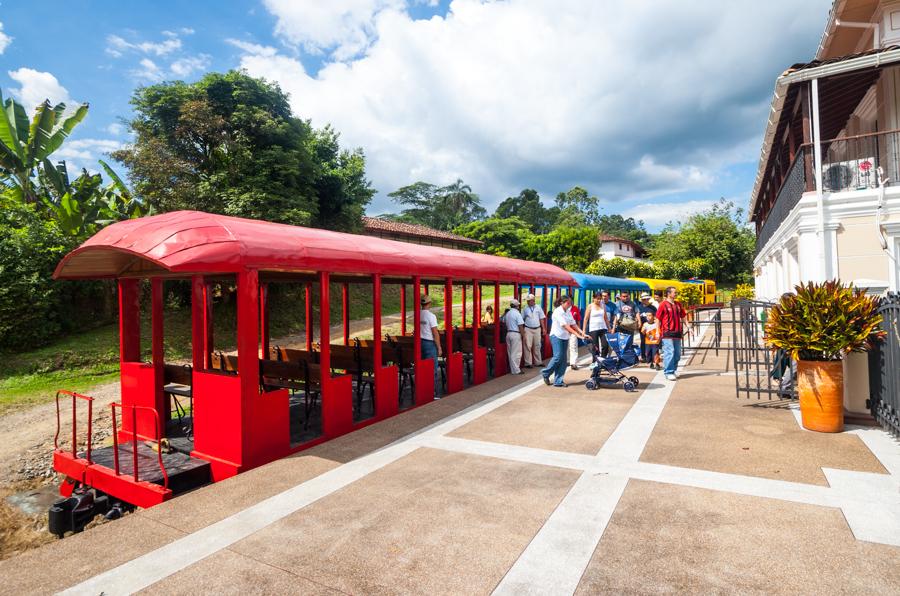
738, 330
884, 367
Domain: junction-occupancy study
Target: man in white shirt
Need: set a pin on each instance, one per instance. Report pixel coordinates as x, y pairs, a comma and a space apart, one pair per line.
563, 326
515, 326
535, 328
430, 338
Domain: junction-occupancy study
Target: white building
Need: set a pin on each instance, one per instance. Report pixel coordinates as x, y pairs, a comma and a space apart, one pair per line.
826, 202
613, 246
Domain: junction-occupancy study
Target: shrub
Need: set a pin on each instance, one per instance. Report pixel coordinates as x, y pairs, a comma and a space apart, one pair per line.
823, 321
691, 294
743, 292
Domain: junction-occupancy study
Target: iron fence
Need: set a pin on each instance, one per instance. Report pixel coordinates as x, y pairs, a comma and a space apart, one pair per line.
789, 194
884, 367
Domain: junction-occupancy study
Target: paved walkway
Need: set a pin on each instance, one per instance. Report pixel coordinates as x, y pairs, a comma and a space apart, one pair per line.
513, 487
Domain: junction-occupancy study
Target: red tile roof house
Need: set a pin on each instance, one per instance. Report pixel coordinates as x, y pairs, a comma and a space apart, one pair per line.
613, 246
417, 234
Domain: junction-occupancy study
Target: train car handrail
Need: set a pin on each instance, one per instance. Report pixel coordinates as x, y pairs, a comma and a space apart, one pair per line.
134, 440
90, 402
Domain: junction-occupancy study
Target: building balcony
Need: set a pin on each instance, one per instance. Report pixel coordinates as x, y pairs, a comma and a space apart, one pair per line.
849, 164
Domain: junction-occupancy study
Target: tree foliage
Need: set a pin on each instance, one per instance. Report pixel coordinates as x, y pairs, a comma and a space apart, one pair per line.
628, 228
505, 237
528, 207
230, 144
717, 235
438, 207
577, 208
572, 248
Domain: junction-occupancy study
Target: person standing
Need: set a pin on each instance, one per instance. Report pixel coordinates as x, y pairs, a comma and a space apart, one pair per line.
535, 329
650, 334
573, 339
672, 326
515, 327
644, 309
626, 317
596, 322
562, 326
430, 339
611, 315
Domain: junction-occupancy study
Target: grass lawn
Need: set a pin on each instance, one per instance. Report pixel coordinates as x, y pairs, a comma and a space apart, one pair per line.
83, 361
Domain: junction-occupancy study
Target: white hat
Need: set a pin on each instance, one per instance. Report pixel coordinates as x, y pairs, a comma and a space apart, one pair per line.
529, 297
425, 299
645, 295
514, 302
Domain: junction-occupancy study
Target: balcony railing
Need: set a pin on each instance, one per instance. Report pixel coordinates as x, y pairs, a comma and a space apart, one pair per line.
848, 163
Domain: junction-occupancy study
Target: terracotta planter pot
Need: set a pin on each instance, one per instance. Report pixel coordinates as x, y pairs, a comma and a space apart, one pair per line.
821, 389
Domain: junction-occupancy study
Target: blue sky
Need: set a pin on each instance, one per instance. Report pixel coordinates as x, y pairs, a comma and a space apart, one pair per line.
658, 108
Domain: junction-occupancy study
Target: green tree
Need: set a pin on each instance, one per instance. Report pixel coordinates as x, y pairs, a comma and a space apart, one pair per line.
717, 235
25, 146
438, 207
572, 248
229, 144
341, 186
577, 208
505, 237
528, 207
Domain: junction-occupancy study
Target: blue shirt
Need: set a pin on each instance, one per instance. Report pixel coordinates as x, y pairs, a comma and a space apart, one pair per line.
611, 310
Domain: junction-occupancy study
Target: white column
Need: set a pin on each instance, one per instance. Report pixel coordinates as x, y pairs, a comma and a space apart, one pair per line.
829, 245
786, 284
808, 255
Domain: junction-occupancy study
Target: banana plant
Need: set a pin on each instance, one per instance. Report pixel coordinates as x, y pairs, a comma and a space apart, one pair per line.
24, 145
81, 207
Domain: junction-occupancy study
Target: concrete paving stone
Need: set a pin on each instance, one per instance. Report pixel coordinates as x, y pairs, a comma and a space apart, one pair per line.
78, 557
704, 426
571, 419
244, 576
215, 502
432, 522
666, 539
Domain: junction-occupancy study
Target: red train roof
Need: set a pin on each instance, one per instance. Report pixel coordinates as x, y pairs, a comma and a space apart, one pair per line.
193, 242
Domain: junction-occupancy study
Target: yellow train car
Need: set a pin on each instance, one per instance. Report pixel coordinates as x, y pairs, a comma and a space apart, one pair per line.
658, 286
709, 289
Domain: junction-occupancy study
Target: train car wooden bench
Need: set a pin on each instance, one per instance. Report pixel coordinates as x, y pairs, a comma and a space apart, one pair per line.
244, 408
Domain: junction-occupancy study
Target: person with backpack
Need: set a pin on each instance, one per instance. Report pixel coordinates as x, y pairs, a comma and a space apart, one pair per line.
627, 315
673, 325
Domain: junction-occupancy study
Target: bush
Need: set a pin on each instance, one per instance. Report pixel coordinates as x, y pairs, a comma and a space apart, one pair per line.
691, 294
823, 321
30, 248
743, 292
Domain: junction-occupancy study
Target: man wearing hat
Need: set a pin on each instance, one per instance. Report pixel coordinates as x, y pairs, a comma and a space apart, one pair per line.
430, 339
535, 328
645, 308
515, 327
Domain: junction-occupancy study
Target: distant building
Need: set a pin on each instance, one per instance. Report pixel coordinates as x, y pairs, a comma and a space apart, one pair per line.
826, 202
613, 246
417, 234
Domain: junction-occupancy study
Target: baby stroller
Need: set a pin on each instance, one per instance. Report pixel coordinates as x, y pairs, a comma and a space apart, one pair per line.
609, 370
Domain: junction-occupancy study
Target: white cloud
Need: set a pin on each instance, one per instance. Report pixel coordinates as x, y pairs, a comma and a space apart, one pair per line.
252, 48
656, 214
346, 27
37, 86
148, 71
116, 46
629, 100
84, 153
115, 129
184, 67
5, 40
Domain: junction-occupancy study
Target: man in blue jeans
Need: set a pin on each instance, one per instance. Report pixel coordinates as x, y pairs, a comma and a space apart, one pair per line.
563, 326
673, 324
431, 340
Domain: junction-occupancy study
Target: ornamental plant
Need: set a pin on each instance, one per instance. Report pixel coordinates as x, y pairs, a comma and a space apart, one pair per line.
743, 292
824, 321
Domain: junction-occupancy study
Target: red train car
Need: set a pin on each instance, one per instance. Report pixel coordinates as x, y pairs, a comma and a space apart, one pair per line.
178, 426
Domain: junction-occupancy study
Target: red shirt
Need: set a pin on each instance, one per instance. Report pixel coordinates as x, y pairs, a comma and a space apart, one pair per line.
575, 313
670, 317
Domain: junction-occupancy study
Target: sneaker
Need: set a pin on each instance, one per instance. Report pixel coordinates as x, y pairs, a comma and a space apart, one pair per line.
547, 381
574, 367
671, 378
560, 385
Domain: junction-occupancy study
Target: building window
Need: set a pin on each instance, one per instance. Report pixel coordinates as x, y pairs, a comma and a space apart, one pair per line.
620, 246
